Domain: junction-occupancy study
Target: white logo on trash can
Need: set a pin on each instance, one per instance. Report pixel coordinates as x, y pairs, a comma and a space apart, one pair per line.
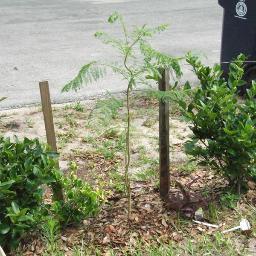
241, 8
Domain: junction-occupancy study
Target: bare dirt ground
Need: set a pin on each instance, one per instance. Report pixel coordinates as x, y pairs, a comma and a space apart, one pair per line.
91, 134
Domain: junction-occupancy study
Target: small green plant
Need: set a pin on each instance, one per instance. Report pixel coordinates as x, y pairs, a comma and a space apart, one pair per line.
104, 111
146, 175
51, 234
70, 120
80, 200
224, 134
229, 200
78, 107
106, 149
65, 137
213, 214
117, 181
111, 145
30, 123
140, 64
188, 167
144, 159
88, 139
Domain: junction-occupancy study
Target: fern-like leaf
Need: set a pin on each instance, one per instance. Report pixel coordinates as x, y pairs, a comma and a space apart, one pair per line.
89, 73
155, 60
148, 32
107, 39
114, 17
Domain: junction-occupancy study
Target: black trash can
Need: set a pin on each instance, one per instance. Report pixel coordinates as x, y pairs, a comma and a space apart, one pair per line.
239, 35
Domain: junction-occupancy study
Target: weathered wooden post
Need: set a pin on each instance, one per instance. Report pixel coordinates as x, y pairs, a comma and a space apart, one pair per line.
164, 160
49, 127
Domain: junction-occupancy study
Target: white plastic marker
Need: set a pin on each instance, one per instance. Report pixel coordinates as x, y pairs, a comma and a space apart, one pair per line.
244, 226
2, 252
206, 224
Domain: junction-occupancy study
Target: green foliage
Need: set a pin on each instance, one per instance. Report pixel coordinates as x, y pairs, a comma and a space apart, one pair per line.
51, 233
109, 147
229, 200
78, 107
141, 62
88, 73
146, 175
26, 169
117, 181
224, 134
188, 167
212, 214
105, 110
80, 200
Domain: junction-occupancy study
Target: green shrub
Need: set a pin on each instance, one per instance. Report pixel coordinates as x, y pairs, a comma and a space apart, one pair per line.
224, 135
80, 200
26, 169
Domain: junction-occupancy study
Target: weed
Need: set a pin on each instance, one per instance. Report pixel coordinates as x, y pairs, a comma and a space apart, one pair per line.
229, 200
51, 234
213, 214
204, 245
88, 139
111, 133
188, 167
117, 181
65, 137
29, 122
149, 122
146, 175
78, 107
106, 149
104, 111
70, 120
109, 147
146, 160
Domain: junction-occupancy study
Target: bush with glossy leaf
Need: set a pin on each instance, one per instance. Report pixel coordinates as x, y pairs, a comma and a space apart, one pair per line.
26, 169
80, 200
224, 134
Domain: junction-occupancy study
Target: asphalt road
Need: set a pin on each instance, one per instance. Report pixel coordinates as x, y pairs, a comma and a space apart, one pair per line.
51, 39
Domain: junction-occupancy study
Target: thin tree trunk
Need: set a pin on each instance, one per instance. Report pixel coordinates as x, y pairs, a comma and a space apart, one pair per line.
128, 154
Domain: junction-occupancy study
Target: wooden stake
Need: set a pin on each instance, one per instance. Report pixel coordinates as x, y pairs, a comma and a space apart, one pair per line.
48, 118
164, 137
49, 128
